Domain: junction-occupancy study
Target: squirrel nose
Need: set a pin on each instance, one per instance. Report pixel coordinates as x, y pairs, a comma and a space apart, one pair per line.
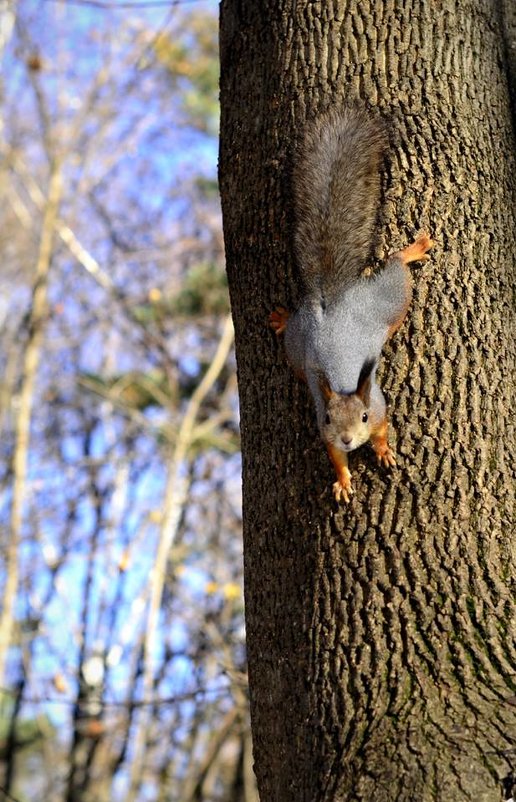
346, 442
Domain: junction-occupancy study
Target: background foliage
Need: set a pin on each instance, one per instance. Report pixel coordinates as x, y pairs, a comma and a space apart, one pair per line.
122, 663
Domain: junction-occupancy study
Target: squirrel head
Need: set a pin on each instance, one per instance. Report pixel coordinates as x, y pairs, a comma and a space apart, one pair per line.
346, 423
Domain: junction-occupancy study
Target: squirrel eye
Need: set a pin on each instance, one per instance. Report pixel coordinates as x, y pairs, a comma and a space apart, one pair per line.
328, 419
364, 417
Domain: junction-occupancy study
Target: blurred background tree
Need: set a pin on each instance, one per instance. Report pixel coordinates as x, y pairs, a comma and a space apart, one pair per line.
122, 660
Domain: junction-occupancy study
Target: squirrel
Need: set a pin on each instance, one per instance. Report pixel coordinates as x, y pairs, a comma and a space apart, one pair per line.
334, 339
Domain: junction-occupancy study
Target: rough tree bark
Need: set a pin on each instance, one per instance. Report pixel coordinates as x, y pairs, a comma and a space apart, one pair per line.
380, 634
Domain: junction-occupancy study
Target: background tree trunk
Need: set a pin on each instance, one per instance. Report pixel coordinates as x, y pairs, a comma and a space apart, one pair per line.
380, 634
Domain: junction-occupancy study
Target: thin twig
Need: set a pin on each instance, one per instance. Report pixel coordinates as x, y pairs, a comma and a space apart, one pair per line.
124, 5
137, 703
31, 357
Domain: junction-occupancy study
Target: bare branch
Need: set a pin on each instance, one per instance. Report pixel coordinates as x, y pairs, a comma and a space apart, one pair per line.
175, 496
31, 358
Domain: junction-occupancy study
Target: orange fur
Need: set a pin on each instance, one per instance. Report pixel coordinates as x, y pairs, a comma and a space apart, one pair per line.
415, 252
342, 487
278, 320
380, 443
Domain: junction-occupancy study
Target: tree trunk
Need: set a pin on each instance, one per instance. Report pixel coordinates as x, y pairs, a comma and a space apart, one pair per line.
381, 633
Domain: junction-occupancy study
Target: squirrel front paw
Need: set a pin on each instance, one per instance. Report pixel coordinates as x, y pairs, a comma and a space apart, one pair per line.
278, 320
342, 489
342, 492
380, 444
384, 455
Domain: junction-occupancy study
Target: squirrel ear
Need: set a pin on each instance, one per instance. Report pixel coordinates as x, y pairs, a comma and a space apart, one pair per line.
324, 387
364, 381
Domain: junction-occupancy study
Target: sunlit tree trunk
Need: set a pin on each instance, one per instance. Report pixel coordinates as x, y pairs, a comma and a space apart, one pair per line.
380, 634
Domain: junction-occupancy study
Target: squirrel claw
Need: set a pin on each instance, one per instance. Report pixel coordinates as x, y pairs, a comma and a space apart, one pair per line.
278, 320
386, 458
342, 491
417, 251
425, 243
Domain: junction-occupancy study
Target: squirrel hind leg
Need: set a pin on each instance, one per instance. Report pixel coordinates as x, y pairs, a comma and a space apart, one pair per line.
278, 320
416, 251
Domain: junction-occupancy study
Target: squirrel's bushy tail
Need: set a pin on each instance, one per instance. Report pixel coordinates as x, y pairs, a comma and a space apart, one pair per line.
336, 192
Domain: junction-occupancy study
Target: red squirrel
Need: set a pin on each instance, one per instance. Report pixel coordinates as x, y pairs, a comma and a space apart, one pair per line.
334, 339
